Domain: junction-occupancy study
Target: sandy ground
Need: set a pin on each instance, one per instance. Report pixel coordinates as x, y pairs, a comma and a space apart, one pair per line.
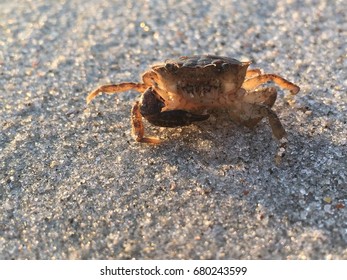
75, 185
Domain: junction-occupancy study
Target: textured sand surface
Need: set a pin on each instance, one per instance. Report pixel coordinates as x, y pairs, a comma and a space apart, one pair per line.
74, 184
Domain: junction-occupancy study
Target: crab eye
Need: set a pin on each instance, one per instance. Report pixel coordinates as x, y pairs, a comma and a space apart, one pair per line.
217, 61
170, 66
225, 65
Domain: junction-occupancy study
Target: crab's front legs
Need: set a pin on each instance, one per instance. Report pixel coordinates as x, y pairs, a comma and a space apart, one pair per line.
255, 81
115, 88
150, 108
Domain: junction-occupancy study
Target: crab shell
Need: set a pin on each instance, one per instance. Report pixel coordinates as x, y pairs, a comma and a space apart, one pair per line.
192, 83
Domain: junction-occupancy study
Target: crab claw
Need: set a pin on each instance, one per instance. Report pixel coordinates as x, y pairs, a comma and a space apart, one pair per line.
175, 118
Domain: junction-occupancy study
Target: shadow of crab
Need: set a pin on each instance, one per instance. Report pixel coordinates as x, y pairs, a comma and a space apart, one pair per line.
218, 139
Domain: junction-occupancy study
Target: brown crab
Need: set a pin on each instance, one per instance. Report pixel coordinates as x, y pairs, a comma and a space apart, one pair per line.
178, 92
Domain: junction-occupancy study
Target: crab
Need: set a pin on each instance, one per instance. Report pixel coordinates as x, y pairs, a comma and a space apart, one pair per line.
179, 92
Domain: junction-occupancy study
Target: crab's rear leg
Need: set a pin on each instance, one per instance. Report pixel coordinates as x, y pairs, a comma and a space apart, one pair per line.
256, 112
277, 130
115, 88
252, 83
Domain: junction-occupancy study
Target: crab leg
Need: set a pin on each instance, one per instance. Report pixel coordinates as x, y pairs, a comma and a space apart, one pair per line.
115, 88
277, 130
276, 126
252, 72
256, 81
137, 126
